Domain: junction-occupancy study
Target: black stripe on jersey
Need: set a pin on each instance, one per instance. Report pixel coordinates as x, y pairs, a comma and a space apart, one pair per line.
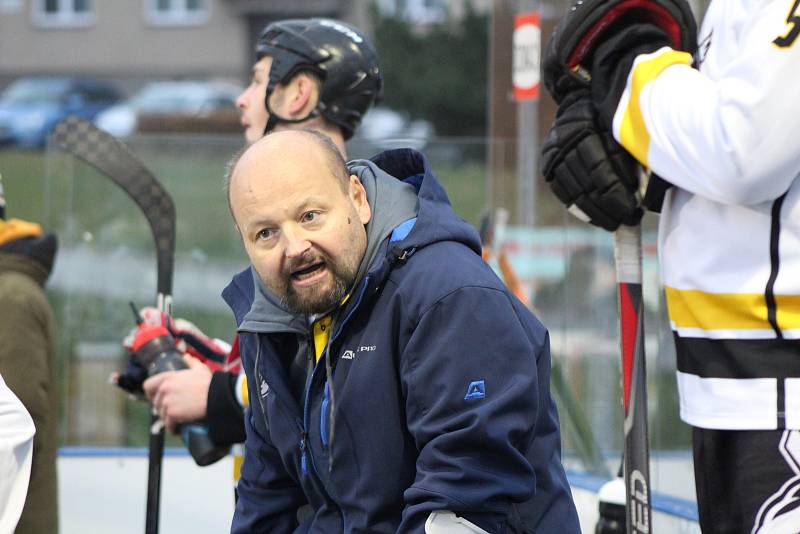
738, 358
781, 404
774, 256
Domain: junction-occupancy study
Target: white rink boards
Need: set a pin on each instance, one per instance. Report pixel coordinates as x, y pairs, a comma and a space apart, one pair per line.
103, 490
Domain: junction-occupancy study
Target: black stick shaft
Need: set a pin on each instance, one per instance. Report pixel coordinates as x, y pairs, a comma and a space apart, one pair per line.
155, 456
156, 448
628, 256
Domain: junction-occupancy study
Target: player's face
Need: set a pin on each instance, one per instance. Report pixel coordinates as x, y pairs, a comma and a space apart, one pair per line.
251, 101
304, 232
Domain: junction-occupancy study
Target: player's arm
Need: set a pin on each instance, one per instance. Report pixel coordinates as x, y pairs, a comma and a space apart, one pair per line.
16, 454
732, 139
211, 388
227, 399
472, 402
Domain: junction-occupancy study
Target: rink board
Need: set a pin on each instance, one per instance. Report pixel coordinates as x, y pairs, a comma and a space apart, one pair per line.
104, 490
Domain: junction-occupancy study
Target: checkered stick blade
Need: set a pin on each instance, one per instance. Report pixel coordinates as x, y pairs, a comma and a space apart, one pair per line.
113, 159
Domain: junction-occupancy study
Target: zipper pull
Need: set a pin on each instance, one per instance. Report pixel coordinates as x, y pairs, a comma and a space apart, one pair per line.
303, 458
403, 254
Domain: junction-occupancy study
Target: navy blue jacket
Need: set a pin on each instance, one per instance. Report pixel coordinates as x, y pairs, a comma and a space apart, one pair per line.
441, 394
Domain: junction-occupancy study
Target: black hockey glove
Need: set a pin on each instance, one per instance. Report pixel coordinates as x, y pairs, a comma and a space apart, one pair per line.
587, 169
597, 40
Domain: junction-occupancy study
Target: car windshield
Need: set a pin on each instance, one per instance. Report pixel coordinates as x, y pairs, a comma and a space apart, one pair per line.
34, 92
169, 97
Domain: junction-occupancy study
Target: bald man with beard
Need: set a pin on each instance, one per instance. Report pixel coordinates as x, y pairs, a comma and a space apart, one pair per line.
397, 385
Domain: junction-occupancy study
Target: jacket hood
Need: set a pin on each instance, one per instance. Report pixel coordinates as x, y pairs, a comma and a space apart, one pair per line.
436, 220
409, 207
22, 263
24, 247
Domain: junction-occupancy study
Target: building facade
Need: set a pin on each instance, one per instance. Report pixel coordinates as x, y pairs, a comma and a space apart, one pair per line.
130, 42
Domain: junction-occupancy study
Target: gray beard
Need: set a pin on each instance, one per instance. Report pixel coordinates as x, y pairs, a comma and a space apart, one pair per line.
316, 304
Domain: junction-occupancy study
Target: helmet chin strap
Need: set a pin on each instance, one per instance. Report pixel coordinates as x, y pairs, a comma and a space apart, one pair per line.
275, 119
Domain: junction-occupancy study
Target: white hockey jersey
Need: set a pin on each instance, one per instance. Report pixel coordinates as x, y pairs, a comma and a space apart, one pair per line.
16, 455
728, 137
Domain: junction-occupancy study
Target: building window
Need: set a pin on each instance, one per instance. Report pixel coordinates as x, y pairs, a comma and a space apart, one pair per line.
176, 12
63, 13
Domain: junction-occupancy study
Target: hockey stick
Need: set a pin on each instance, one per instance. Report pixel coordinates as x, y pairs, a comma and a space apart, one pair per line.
628, 257
2, 200
113, 159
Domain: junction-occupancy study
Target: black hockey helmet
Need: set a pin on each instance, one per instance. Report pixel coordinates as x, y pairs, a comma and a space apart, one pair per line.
340, 55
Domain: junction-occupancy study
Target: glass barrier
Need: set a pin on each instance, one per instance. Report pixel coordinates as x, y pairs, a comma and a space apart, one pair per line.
565, 271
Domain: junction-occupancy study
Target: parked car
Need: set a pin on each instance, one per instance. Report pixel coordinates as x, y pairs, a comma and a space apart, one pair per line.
385, 128
31, 106
175, 106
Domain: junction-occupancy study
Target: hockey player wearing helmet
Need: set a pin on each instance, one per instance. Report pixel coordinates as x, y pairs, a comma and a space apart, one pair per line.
318, 74
714, 114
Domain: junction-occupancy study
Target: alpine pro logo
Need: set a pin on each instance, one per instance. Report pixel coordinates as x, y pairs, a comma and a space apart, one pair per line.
476, 390
351, 355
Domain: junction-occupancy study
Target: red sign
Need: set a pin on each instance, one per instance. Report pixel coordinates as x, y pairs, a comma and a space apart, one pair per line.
527, 45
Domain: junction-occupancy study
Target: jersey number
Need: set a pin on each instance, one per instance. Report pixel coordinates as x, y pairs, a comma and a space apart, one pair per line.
793, 19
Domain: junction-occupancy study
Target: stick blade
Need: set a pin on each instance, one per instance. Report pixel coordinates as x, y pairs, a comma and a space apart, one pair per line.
114, 159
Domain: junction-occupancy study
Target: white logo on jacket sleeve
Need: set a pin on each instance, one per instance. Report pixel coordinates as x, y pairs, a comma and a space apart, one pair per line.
264, 388
348, 355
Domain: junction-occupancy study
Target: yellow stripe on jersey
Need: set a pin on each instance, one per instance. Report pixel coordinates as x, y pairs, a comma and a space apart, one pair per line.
691, 308
633, 133
788, 311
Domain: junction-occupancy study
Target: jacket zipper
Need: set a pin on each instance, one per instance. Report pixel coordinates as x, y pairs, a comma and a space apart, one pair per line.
306, 457
303, 431
307, 403
323, 419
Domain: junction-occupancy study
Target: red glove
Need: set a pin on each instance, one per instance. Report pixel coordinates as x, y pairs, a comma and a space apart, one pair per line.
135, 373
234, 363
188, 339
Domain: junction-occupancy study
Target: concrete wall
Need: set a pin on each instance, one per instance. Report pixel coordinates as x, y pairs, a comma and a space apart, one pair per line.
122, 44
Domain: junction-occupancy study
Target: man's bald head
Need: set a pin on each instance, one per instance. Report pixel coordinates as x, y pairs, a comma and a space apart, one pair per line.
291, 143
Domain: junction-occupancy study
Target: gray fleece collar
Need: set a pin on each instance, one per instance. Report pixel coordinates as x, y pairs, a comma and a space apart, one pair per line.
392, 202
